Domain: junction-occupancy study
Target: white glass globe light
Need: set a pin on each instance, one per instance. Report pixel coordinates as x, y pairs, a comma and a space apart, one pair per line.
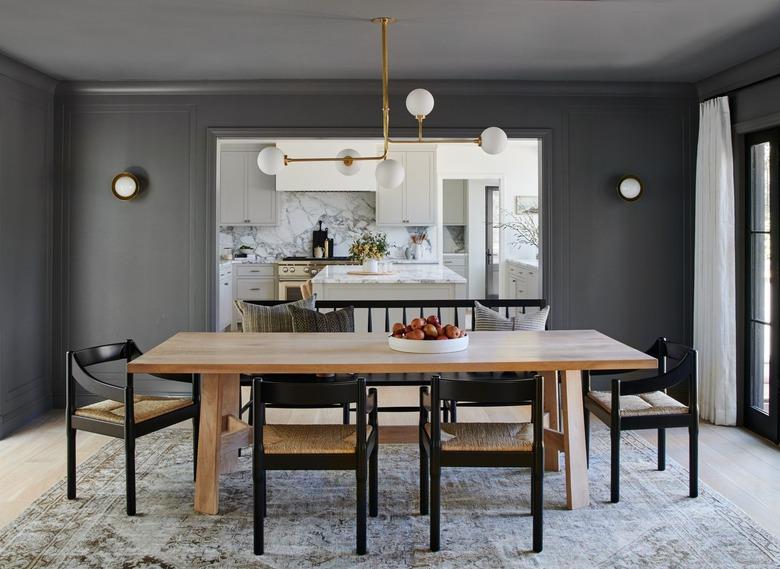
351, 169
390, 173
494, 140
125, 187
419, 102
270, 160
630, 188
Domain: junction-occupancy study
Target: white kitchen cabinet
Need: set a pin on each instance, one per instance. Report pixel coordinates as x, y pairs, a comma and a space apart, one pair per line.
457, 262
246, 195
323, 176
454, 202
523, 280
253, 281
225, 296
414, 201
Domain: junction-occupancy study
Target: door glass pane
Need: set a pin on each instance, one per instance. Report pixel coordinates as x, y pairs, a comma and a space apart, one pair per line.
760, 181
761, 353
761, 266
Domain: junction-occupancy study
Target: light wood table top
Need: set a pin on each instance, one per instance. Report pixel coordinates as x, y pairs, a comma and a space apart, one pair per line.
551, 350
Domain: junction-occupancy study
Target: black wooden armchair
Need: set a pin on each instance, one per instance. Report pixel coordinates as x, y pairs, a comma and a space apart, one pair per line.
643, 404
122, 414
480, 444
316, 447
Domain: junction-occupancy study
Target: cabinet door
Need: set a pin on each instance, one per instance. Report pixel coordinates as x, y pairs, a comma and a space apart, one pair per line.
260, 193
390, 202
454, 202
225, 303
419, 188
232, 188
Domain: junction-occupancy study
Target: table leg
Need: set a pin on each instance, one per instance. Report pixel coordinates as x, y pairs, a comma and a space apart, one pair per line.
222, 432
577, 492
551, 407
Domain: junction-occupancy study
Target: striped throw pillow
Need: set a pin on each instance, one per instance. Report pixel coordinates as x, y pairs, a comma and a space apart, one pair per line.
305, 320
270, 318
531, 321
487, 319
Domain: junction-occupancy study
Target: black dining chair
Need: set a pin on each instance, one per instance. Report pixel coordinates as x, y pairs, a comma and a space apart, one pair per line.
316, 447
122, 414
642, 403
481, 444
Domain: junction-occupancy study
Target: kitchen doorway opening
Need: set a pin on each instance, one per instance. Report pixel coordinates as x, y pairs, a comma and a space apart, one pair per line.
273, 222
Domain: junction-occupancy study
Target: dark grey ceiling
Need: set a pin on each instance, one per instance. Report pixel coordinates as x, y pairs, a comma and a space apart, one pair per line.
641, 40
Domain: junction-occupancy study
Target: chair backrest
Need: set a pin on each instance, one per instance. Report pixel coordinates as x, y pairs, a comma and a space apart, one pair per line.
317, 392
77, 363
683, 369
455, 308
511, 391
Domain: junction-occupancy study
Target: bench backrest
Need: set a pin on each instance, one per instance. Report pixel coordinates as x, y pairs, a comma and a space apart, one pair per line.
381, 314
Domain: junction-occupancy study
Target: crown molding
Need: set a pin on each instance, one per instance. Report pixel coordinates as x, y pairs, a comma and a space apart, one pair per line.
17, 71
372, 87
739, 76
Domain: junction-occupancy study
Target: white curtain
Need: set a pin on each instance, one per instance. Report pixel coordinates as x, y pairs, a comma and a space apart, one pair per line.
714, 315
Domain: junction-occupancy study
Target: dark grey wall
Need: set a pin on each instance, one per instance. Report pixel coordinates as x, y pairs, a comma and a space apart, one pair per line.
26, 98
144, 268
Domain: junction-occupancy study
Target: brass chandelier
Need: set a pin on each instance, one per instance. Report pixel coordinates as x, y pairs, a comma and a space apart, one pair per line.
389, 173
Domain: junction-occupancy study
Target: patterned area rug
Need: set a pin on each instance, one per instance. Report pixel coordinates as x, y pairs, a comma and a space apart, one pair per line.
485, 518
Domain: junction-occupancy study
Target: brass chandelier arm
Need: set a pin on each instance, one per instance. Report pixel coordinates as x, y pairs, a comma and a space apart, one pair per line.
477, 141
346, 159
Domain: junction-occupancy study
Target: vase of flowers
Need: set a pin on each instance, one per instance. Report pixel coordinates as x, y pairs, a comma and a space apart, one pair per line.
369, 249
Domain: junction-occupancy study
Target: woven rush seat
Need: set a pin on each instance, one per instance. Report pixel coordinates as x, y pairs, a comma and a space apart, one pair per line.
311, 439
145, 407
508, 437
654, 403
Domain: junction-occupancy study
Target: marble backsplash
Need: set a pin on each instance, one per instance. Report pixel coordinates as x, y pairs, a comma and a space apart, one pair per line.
347, 215
454, 239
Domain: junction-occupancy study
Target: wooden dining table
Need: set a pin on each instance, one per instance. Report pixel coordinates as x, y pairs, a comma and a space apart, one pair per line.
220, 358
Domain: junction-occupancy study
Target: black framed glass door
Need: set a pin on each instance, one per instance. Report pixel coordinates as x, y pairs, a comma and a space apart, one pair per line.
763, 286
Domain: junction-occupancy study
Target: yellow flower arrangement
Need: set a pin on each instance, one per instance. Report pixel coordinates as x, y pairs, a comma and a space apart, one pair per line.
369, 246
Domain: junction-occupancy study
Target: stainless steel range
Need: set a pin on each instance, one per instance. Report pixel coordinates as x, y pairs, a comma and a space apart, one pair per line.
291, 272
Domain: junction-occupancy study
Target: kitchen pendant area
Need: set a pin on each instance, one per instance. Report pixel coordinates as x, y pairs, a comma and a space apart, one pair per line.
276, 233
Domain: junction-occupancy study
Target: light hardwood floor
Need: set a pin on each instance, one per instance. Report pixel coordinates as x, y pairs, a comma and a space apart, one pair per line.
737, 464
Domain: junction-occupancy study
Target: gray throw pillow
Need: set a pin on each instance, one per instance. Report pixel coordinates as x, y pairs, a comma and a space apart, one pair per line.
487, 319
305, 320
270, 318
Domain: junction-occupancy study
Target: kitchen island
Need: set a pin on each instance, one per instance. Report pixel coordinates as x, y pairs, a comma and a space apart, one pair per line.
416, 281
406, 281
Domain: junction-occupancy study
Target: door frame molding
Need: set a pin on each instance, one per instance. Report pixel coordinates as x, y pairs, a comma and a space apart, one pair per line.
766, 427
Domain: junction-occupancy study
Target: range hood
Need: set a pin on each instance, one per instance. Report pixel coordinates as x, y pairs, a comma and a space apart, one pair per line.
323, 176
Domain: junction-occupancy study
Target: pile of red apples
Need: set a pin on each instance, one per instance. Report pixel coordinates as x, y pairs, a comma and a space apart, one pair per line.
426, 329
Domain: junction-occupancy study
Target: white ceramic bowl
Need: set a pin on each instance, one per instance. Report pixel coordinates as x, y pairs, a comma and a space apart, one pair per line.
428, 346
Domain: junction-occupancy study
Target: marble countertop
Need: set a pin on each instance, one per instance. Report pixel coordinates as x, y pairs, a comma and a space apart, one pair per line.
401, 274
526, 262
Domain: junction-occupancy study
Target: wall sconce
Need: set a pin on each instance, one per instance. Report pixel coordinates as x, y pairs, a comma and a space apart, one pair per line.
630, 188
125, 186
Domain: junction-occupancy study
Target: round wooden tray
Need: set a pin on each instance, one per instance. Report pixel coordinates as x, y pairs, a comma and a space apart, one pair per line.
428, 346
369, 273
